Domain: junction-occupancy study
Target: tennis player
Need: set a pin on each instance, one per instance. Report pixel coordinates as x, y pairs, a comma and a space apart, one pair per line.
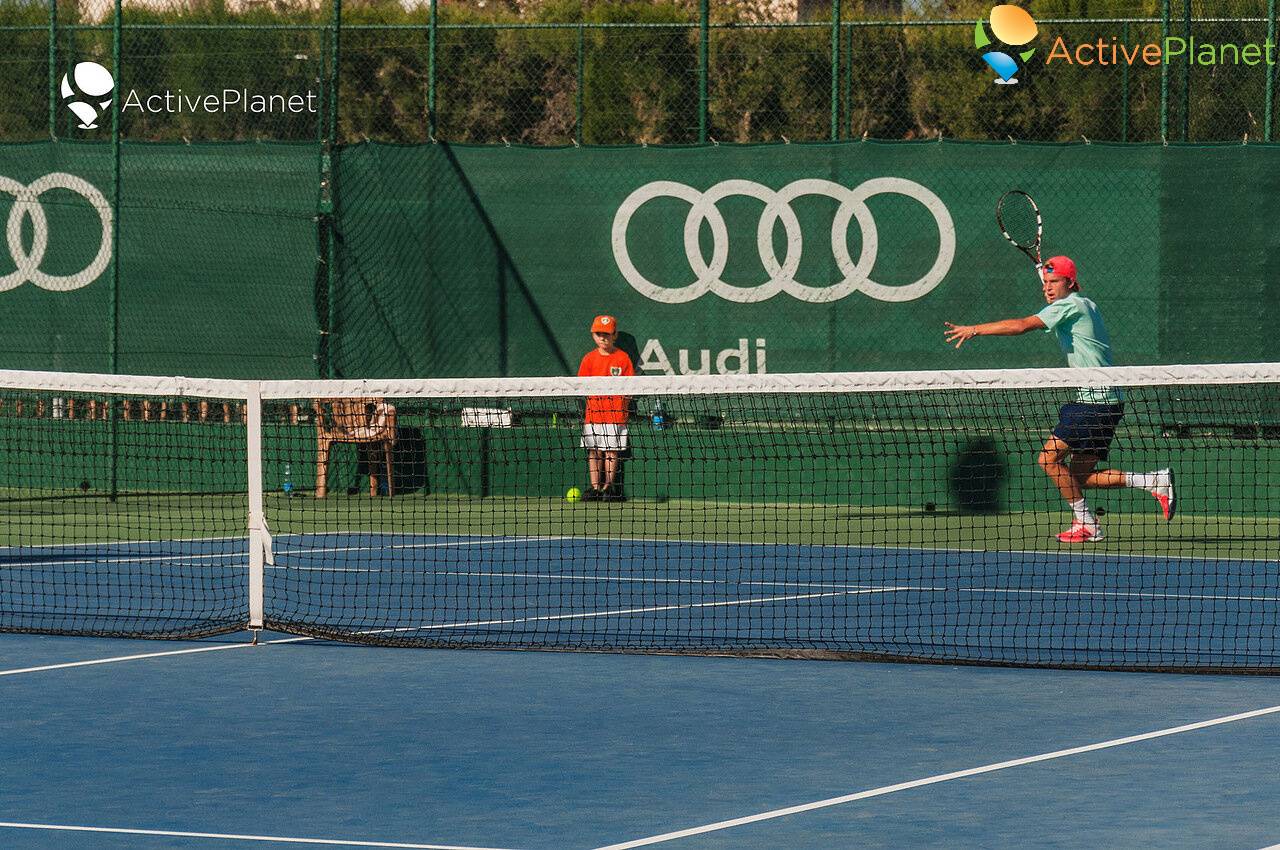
1086, 427
604, 428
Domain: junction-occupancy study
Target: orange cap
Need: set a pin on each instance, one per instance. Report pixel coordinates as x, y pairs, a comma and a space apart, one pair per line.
604, 324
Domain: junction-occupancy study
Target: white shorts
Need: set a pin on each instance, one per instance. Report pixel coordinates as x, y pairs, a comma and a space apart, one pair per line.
604, 437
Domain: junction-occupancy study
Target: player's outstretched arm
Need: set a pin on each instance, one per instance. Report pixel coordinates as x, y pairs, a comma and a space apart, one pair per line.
959, 334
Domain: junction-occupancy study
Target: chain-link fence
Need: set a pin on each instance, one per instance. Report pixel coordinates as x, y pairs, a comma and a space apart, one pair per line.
631, 73
251, 190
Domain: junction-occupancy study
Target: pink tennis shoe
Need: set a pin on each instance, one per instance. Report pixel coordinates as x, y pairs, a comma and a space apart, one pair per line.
1080, 533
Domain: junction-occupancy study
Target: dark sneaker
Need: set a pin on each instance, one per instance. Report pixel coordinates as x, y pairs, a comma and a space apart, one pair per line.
592, 495
613, 494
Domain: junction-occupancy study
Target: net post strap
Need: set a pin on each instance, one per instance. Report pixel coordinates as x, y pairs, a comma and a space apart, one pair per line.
260, 551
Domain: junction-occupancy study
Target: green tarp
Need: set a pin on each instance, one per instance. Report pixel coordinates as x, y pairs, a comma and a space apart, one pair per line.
460, 261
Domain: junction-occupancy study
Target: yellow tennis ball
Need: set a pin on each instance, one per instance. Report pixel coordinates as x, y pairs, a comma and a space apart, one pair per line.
574, 495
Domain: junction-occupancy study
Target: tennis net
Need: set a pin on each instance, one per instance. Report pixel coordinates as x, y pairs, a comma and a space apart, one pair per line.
860, 515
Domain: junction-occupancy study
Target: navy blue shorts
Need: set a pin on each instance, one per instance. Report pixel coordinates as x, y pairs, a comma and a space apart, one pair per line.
1088, 428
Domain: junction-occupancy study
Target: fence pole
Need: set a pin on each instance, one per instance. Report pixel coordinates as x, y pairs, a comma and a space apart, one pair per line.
53, 69
704, 36
335, 35
1186, 73
848, 84
329, 184
1271, 39
116, 50
835, 70
1164, 73
577, 115
325, 205
1124, 87
431, 69
117, 24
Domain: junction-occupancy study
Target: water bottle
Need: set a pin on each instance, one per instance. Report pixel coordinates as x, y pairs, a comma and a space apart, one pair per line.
659, 416
288, 481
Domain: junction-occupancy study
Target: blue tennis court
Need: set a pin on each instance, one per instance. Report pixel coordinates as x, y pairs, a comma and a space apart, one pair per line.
220, 744
303, 739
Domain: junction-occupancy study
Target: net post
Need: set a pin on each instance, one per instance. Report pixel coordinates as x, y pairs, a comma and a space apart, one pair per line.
259, 536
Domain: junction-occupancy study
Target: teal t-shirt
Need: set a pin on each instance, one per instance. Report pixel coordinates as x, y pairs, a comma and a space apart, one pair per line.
1076, 322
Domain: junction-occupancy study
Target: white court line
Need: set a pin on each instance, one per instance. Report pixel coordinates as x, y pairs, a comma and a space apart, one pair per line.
923, 588
464, 541
588, 615
474, 540
243, 555
143, 655
331, 842
124, 542
871, 548
1054, 553
471, 540
235, 560
460, 625
1113, 594
393, 570
934, 780
303, 534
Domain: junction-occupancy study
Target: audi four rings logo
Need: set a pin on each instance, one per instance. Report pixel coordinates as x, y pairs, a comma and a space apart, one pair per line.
26, 206
777, 207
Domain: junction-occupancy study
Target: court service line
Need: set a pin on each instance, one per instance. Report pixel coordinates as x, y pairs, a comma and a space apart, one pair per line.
934, 780
331, 842
874, 548
102, 543
234, 560
449, 541
239, 559
144, 655
620, 612
859, 548
726, 582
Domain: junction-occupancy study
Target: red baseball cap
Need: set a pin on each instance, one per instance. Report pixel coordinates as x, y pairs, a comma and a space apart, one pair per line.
604, 324
1064, 266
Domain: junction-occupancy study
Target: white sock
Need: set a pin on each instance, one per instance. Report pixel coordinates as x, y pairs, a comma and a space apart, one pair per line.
1142, 480
1084, 516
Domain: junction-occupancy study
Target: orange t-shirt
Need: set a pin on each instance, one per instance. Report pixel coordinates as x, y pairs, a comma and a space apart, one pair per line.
610, 409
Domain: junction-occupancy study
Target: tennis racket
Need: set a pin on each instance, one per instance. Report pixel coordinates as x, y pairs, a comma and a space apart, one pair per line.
1019, 220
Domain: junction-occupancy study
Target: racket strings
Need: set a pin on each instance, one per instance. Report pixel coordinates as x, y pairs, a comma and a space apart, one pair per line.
1019, 220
